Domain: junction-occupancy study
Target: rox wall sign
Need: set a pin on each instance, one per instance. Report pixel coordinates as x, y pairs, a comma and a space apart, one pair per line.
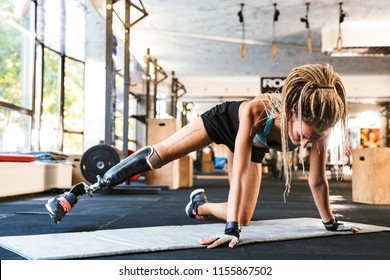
271, 84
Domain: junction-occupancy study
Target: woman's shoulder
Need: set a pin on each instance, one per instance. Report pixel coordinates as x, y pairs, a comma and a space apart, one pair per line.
267, 97
252, 107
258, 104
254, 111
262, 103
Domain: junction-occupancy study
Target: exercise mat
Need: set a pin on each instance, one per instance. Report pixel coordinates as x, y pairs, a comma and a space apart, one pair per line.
79, 245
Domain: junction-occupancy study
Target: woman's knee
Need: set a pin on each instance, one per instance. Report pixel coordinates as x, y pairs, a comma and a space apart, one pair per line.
245, 219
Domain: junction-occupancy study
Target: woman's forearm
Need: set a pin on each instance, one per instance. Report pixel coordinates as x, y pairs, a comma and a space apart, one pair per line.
320, 192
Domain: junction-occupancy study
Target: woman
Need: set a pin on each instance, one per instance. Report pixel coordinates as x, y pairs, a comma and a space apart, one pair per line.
312, 102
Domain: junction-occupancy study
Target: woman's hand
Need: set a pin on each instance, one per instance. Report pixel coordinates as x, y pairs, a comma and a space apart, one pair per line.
334, 225
231, 236
355, 229
218, 240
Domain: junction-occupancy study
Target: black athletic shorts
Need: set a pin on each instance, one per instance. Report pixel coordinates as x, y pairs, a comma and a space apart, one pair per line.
221, 124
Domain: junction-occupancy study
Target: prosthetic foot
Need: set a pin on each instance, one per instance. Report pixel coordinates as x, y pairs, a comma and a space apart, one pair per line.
61, 204
143, 160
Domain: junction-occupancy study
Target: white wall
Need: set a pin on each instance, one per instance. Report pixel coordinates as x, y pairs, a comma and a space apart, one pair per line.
367, 87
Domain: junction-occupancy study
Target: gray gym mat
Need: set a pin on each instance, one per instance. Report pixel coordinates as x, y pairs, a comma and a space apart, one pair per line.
102, 243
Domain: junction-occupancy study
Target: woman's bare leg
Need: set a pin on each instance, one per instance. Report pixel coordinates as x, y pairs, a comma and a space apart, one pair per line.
250, 196
189, 138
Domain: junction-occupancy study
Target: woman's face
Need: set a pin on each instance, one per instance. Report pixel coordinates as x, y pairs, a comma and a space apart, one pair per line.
303, 134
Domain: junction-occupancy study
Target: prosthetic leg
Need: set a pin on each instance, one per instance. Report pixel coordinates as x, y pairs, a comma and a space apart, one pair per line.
143, 160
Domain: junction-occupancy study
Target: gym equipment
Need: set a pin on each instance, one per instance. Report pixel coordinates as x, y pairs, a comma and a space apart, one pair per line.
142, 160
97, 160
16, 158
88, 244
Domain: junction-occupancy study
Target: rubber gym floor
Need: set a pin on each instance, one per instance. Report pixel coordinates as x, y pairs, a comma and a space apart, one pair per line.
140, 206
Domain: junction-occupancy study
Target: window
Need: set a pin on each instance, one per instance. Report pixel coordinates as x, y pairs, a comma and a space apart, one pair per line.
14, 131
16, 74
50, 130
73, 107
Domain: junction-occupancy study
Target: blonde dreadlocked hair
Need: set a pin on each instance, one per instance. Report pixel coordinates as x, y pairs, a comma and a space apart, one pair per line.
317, 95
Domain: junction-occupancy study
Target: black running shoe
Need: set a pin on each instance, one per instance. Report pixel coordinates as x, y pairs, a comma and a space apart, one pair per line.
59, 205
197, 198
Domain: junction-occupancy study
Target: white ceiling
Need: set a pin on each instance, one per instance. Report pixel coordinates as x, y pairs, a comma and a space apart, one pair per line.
201, 39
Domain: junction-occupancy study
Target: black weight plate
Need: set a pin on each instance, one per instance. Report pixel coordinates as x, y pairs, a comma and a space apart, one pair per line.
97, 160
